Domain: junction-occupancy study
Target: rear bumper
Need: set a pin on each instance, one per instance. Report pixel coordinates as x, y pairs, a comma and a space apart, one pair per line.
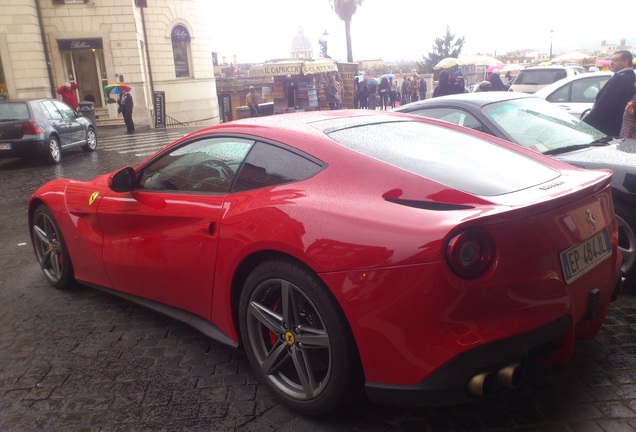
21, 148
448, 385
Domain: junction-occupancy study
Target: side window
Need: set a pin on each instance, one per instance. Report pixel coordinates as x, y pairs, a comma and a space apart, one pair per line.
181, 51
269, 165
67, 111
450, 115
50, 111
585, 90
208, 165
560, 95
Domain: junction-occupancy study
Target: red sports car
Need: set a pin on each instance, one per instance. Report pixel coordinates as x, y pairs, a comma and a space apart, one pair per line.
345, 250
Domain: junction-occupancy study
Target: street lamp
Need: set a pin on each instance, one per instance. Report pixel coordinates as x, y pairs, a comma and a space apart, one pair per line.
551, 33
323, 44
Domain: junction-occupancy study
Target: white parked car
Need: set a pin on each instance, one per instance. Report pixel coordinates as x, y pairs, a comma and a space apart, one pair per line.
532, 79
575, 94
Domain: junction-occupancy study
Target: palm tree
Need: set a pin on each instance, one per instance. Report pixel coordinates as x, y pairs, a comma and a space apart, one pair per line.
345, 9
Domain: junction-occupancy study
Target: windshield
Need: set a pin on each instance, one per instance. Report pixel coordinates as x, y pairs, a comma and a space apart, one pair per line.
539, 125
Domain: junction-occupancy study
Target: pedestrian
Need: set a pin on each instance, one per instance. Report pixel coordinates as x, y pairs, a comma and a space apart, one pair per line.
384, 89
458, 83
363, 94
423, 88
609, 106
126, 108
251, 100
414, 88
496, 82
443, 85
393, 93
405, 90
333, 92
372, 98
628, 128
67, 91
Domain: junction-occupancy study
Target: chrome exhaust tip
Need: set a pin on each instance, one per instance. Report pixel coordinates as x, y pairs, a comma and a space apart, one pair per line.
509, 376
481, 384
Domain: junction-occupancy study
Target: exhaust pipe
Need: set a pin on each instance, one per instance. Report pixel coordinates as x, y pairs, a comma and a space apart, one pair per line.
509, 376
481, 384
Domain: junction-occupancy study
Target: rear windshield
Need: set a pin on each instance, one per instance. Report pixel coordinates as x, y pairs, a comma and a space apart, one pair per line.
13, 111
446, 156
540, 77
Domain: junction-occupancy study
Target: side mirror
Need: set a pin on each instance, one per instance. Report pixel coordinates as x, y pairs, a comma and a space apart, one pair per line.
123, 180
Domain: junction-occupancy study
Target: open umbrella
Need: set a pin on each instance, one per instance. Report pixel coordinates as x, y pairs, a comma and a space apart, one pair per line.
116, 88
447, 63
387, 76
493, 67
480, 60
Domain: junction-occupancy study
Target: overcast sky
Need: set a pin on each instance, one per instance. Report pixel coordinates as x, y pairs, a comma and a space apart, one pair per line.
259, 30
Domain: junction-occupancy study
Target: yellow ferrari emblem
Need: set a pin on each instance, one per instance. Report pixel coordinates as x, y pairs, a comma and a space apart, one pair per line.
289, 337
93, 197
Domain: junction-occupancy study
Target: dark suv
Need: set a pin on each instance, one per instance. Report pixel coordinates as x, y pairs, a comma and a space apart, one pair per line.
42, 128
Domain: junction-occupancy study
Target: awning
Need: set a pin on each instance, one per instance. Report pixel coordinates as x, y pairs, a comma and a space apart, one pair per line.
293, 67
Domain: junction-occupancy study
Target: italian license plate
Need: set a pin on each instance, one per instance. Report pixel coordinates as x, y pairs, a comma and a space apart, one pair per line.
583, 257
5, 146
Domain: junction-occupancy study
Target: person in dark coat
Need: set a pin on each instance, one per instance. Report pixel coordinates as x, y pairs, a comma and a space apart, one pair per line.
126, 108
609, 106
444, 86
496, 82
458, 83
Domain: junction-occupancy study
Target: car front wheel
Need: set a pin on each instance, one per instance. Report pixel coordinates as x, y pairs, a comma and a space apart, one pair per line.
54, 151
297, 338
50, 248
91, 141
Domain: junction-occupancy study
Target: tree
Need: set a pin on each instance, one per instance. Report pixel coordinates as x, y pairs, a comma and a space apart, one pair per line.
446, 46
345, 9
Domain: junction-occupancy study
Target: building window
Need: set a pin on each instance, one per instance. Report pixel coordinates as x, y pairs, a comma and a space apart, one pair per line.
4, 93
181, 51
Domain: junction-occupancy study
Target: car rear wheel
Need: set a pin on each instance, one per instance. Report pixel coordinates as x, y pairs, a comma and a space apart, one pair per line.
627, 244
54, 152
50, 249
91, 141
297, 338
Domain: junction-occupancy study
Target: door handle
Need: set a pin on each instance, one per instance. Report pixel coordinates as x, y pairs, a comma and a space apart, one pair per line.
209, 228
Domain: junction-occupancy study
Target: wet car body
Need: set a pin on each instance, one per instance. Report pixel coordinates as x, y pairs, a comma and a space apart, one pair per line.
338, 259
42, 128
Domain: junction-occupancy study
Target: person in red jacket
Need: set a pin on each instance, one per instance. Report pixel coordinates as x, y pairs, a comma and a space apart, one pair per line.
67, 91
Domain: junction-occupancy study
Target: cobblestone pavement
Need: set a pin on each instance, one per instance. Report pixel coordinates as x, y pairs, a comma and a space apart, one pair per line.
82, 360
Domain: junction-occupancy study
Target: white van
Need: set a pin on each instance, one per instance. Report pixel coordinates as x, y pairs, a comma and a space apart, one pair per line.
535, 78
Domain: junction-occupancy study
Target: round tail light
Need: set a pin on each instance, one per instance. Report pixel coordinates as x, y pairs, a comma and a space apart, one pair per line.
471, 253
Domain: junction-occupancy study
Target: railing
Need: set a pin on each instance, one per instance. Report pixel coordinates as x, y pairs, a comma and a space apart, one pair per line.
172, 122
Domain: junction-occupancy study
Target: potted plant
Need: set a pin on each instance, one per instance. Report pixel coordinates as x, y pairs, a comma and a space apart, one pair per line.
111, 104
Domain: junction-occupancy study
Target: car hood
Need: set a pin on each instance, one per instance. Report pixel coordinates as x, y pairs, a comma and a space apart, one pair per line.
619, 156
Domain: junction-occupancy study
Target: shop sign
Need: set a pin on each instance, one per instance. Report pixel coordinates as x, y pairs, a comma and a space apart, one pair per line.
77, 44
160, 109
180, 34
276, 69
310, 68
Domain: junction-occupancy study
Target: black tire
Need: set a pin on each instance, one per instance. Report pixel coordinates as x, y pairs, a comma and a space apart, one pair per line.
627, 244
53, 150
50, 249
91, 140
297, 339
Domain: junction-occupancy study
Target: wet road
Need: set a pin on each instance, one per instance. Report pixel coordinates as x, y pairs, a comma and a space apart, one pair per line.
84, 360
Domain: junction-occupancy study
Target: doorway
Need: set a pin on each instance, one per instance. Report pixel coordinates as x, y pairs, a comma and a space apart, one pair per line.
86, 68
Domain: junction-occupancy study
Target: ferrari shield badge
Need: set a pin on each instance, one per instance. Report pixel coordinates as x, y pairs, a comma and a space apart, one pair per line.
93, 197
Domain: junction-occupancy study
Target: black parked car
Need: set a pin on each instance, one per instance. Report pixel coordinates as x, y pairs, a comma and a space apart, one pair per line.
42, 128
536, 124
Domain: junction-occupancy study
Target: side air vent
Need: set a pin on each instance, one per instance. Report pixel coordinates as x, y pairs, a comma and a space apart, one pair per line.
428, 205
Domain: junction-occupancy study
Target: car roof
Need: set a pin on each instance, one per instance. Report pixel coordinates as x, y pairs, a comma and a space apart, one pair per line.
472, 99
545, 91
552, 67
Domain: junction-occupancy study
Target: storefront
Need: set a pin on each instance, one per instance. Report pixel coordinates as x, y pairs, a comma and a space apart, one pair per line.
299, 84
83, 62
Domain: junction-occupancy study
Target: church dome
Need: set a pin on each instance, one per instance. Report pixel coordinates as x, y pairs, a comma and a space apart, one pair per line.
301, 42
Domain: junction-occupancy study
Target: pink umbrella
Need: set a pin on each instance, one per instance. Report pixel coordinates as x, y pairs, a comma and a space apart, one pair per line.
493, 67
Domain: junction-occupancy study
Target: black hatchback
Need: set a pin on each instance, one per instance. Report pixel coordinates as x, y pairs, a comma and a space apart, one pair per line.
42, 128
